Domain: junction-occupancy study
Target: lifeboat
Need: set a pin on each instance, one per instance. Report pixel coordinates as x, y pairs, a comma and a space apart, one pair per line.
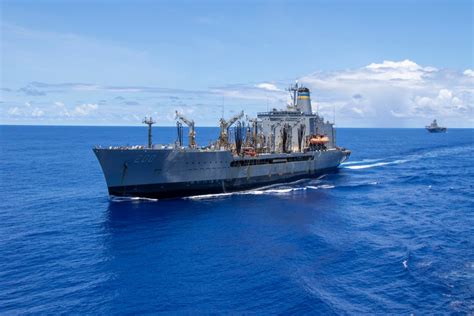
318, 140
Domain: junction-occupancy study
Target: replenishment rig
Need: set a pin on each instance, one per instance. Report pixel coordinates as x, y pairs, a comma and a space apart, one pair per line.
275, 147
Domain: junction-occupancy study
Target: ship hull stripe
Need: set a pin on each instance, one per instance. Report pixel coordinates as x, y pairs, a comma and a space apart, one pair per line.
183, 189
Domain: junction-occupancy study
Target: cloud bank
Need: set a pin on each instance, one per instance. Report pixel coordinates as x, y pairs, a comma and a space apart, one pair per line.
395, 94
381, 94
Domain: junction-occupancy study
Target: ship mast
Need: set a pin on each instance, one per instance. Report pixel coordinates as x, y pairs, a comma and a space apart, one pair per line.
293, 90
149, 121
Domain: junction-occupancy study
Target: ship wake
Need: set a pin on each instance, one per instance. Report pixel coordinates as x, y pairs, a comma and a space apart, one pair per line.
416, 156
355, 166
277, 189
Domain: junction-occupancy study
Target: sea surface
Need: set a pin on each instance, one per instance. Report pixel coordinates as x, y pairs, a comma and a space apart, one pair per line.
391, 232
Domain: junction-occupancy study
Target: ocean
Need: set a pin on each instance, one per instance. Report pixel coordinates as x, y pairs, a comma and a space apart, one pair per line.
391, 232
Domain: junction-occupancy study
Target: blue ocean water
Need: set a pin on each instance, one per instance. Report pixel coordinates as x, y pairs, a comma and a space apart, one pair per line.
391, 232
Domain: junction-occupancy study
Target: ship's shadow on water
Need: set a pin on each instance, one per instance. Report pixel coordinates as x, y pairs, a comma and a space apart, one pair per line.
124, 209
302, 199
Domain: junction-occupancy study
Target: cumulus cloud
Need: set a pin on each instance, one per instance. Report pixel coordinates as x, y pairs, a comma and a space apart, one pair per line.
85, 109
61, 109
469, 72
386, 93
444, 104
393, 93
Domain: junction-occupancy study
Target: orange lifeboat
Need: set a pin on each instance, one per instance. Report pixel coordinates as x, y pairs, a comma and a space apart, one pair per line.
318, 140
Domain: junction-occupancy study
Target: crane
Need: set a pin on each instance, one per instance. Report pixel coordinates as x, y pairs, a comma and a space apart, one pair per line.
190, 124
224, 133
254, 123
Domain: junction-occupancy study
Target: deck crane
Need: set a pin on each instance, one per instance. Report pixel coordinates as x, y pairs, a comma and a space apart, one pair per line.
192, 132
223, 141
254, 132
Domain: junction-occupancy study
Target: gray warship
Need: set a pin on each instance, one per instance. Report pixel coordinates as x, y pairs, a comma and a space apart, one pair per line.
275, 147
435, 128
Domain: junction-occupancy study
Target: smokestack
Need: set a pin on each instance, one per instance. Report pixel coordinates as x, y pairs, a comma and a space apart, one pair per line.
303, 102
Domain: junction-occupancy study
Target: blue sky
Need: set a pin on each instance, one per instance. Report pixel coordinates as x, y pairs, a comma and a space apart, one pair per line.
378, 63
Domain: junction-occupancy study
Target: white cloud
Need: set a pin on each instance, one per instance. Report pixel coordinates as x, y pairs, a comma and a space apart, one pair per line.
37, 112
469, 72
444, 104
85, 109
394, 93
406, 65
61, 109
267, 86
389, 93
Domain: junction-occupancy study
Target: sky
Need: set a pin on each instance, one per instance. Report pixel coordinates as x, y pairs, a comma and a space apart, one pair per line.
367, 63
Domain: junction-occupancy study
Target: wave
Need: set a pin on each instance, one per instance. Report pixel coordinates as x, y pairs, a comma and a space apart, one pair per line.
275, 189
378, 164
264, 191
130, 199
208, 196
399, 159
359, 162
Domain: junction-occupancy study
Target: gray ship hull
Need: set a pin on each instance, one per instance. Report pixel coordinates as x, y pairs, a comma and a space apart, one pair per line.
171, 173
436, 129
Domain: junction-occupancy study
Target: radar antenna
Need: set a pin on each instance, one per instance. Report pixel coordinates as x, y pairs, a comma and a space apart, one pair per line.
293, 90
149, 121
190, 124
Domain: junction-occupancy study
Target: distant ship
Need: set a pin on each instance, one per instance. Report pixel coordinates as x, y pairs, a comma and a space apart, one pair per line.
275, 147
434, 128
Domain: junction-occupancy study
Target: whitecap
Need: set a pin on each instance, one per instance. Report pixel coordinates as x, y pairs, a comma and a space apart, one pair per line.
326, 186
360, 162
130, 199
208, 196
378, 164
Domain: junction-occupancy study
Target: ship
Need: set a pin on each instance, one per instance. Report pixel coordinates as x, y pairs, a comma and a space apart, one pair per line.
277, 146
435, 128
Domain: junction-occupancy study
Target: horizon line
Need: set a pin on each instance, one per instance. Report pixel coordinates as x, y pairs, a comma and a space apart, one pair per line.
174, 126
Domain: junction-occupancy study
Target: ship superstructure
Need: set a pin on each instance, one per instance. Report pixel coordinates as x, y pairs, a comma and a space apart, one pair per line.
275, 147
